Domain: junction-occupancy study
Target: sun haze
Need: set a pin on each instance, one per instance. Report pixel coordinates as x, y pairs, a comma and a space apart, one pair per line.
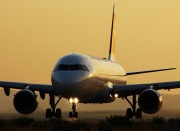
35, 34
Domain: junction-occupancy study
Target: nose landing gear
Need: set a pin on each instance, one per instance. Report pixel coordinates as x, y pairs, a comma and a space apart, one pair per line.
74, 113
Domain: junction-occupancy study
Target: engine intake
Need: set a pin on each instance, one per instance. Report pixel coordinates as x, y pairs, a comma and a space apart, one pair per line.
25, 101
150, 101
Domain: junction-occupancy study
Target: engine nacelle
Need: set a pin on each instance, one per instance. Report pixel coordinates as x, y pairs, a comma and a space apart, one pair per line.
25, 101
150, 101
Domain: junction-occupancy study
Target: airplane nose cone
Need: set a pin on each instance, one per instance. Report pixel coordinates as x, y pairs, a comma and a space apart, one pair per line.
68, 77
68, 74
68, 84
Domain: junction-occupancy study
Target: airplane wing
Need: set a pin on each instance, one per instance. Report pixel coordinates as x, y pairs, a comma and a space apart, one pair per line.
127, 90
148, 71
33, 87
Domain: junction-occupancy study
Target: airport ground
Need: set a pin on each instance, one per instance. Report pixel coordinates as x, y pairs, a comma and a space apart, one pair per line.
91, 117
91, 121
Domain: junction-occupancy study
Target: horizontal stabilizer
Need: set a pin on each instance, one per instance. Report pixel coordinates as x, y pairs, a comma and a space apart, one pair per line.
148, 71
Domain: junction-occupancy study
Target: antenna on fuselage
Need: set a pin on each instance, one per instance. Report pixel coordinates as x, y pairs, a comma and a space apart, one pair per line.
113, 37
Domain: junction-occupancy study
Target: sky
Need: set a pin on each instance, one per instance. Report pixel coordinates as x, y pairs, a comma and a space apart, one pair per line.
34, 34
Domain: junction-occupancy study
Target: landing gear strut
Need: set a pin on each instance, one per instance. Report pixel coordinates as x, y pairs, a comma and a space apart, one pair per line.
132, 111
53, 112
74, 113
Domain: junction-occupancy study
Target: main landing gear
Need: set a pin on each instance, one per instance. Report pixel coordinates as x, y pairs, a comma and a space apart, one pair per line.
74, 113
53, 112
132, 111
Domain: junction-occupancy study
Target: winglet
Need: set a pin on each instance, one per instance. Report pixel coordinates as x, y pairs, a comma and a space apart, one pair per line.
113, 37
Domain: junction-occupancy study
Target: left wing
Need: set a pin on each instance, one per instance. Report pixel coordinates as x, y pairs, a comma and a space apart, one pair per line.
33, 87
127, 90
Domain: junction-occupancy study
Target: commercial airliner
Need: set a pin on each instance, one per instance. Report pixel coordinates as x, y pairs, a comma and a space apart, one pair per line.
87, 79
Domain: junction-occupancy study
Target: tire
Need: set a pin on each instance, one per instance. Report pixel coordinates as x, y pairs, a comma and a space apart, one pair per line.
48, 113
58, 113
76, 115
70, 114
139, 114
129, 113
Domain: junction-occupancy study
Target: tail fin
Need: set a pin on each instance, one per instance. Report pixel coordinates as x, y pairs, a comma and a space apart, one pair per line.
113, 37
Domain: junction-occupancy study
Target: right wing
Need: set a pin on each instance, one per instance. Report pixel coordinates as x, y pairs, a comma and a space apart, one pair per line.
33, 87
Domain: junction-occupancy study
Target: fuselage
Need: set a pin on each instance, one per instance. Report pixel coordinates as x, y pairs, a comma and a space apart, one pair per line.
87, 78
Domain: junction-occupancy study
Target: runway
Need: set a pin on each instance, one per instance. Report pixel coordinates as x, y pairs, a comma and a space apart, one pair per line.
90, 115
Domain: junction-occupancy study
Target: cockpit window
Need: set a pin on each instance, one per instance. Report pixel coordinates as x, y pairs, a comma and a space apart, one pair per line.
83, 67
71, 67
74, 67
63, 67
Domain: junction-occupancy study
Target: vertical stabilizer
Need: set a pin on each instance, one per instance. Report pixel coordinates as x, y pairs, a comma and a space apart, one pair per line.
113, 37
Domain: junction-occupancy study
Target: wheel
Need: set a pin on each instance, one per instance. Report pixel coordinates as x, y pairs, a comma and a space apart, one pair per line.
129, 113
58, 113
76, 115
139, 113
70, 114
48, 113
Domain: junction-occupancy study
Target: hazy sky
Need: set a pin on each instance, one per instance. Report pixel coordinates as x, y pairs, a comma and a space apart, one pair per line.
34, 34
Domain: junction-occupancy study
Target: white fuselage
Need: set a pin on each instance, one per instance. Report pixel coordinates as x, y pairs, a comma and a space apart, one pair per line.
87, 78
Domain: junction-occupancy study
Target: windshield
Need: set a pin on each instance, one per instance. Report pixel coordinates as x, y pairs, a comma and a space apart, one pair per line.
74, 67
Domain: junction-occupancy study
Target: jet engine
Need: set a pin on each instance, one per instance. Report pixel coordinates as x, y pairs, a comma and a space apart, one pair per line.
25, 101
150, 101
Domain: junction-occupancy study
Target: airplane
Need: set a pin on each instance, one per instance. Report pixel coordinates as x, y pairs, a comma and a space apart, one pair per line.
81, 78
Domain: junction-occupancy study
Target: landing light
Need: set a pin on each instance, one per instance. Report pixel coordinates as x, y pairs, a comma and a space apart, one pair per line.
116, 95
76, 100
73, 100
